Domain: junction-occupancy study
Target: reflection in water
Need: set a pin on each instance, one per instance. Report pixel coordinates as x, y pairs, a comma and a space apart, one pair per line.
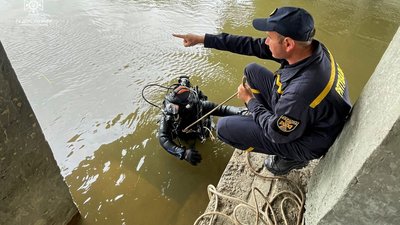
84, 71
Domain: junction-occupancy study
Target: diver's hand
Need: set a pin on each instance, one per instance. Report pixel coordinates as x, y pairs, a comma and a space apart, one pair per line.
190, 39
192, 156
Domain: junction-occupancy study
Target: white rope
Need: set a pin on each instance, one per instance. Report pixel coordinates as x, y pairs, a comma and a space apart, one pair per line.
261, 215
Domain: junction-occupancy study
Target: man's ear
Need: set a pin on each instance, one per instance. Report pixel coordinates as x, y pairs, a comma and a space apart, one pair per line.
289, 44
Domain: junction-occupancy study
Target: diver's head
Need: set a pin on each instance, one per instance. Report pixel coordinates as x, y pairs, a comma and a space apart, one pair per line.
180, 95
184, 81
184, 97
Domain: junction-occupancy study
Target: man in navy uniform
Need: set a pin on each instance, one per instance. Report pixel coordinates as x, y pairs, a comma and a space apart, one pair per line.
298, 110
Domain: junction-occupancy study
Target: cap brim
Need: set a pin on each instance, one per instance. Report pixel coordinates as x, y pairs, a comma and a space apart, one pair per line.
262, 24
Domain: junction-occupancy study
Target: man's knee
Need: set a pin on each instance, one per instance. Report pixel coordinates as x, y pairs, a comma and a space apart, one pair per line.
221, 128
227, 132
251, 70
257, 74
227, 128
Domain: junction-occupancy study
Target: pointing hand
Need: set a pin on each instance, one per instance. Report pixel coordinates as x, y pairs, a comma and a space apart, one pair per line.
190, 39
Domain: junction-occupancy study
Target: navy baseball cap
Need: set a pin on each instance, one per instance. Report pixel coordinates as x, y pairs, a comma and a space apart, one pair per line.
292, 22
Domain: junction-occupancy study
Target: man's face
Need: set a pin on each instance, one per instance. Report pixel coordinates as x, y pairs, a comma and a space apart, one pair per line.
275, 43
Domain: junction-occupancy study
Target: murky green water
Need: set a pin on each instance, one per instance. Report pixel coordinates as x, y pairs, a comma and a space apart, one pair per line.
83, 64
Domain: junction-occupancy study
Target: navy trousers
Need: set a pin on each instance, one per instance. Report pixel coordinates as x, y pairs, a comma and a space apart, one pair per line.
243, 132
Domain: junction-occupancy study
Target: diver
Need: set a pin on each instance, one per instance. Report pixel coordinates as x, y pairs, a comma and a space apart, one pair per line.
181, 107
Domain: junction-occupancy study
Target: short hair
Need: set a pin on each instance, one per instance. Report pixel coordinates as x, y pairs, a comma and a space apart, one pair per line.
309, 41
299, 43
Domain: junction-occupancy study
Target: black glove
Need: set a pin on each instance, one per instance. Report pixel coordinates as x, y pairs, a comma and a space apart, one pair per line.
192, 156
244, 112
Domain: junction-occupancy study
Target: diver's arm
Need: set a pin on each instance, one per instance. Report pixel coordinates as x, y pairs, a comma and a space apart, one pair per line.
223, 110
165, 138
191, 155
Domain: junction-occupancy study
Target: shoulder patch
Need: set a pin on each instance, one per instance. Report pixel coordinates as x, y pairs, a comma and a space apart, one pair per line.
287, 124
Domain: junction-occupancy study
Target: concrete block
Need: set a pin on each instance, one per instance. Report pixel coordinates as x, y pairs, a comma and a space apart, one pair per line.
32, 190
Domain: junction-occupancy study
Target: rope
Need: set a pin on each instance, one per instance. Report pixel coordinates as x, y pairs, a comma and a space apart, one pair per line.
268, 216
211, 135
187, 128
205, 115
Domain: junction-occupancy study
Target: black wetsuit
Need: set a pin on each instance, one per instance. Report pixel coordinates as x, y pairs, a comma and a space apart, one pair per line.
172, 125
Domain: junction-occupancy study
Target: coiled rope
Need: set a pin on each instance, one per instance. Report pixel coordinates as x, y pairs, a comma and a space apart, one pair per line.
268, 216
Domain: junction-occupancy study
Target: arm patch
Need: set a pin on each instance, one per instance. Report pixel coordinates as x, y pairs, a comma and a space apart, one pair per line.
286, 124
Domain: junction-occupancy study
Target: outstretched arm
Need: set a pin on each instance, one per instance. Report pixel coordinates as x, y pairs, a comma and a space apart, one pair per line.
227, 42
239, 44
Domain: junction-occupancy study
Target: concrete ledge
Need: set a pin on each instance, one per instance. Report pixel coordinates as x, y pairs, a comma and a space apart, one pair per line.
32, 188
358, 181
238, 181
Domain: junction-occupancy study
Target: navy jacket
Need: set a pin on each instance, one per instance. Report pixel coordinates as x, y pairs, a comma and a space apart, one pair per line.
310, 101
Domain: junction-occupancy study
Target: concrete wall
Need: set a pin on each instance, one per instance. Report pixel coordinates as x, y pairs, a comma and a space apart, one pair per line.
32, 191
358, 182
